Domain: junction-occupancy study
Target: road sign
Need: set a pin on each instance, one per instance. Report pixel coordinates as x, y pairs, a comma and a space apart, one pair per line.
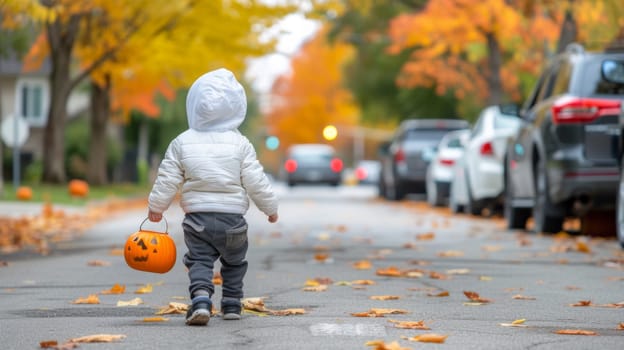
14, 131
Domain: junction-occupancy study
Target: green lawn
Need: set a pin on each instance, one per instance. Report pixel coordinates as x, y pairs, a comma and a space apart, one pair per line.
58, 194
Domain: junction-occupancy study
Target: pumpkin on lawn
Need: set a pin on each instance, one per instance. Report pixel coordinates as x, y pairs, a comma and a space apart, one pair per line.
78, 188
150, 251
24, 193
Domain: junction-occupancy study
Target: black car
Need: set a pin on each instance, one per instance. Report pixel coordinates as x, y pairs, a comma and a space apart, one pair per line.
404, 160
563, 162
312, 164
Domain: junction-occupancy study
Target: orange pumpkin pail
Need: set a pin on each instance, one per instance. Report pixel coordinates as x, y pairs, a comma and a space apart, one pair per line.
150, 251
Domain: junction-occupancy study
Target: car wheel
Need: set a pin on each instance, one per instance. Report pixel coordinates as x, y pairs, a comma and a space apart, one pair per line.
543, 211
381, 188
516, 217
453, 205
473, 206
619, 226
433, 195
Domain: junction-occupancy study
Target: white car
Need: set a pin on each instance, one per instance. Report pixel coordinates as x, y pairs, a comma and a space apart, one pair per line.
484, 158
440, 170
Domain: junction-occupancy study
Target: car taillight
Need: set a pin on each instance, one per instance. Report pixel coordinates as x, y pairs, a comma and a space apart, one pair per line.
486, 149
336, 165
290, 165
399, 155
447, 162
361, 173
582, 110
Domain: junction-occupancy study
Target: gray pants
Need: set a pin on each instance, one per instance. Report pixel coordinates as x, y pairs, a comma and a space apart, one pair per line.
212, 236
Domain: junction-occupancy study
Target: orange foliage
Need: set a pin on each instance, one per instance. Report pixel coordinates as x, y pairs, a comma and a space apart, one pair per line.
312, 96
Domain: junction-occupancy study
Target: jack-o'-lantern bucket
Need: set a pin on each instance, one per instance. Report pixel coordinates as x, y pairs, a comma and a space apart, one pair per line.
150, 251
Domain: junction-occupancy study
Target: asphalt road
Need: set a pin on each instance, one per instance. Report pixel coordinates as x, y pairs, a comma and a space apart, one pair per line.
322, 232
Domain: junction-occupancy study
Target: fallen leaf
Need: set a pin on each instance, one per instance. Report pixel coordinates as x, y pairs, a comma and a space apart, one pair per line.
116, 252
116, 289
572, 288
146, 289
288, 312
380, 345
133, 302
217, 280
516, 323
458, 271
485, 278
425, 236
391, 271
620, 326
491, 248
582, 247
155, 319
375, 312
474, 296
321, 257
363, 282
98, 263
3, 263
91, 299
385, 297
429, 338
413, 273
438, 276
443, 293
523, 297
318, 288
410, 324
173, 308
48, 344
450, 254
582, 303
575, 332
98, 338
362, 265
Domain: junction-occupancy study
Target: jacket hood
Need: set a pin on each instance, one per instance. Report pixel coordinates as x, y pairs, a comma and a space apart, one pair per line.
216, 102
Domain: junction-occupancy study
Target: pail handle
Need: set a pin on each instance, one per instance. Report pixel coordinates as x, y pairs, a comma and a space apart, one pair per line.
166, 225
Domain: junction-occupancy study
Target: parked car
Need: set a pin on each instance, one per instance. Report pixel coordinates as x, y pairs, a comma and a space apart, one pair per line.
440, 172
405, 160
484, 157
367, 172
563, 160
312, 164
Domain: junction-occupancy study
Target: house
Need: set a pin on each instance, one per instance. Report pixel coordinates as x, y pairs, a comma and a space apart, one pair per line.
27, 95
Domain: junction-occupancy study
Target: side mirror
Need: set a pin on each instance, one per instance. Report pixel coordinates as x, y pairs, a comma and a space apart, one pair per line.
613, 71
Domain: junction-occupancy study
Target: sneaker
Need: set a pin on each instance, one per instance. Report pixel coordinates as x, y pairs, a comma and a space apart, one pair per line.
231, 310
199, 312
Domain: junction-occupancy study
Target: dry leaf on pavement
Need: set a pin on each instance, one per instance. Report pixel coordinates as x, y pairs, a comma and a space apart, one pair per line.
443, 293
116, 289
429, 338
217, 280
385, 297
318, 288
450, 254
98, 263
362, 265
91, 299
410, 324
620, 326
516, 323
144, 289
155, 319
288, 312
375, 312
523, 297
428, 236
474, 296
257, 305
173, 308
363, 282
391, 271
98, 338
458, 271
133, 302
380, 345
583, 303
575, 332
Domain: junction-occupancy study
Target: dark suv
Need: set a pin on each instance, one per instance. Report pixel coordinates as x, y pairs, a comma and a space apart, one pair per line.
563, 162
405, 158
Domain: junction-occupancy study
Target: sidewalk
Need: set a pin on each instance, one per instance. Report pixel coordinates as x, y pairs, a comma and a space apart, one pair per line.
18, 209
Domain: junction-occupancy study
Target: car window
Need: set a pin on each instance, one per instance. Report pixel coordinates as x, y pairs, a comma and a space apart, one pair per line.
594, 84
549, 82
532, 100
505, 121
425, 135
454, 142
561, 84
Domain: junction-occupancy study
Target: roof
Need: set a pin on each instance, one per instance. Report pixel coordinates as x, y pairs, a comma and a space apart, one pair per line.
11, 66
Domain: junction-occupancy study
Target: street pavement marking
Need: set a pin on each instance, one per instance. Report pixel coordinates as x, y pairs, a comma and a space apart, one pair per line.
348, 329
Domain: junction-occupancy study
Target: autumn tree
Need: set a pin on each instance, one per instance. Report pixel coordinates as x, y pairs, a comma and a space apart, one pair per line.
312, 95
174, 41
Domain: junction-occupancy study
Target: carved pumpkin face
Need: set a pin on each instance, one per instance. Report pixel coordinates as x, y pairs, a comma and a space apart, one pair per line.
150, 251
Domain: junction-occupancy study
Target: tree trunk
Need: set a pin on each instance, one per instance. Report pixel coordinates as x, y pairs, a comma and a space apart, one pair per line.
54, 134
568, 32
493, 73
98, 155
142, 153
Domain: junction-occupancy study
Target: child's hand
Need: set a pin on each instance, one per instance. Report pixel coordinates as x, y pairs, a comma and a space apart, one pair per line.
273, 218
154, 217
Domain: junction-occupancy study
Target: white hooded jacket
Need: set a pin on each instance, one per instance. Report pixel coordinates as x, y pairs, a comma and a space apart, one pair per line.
212, 164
